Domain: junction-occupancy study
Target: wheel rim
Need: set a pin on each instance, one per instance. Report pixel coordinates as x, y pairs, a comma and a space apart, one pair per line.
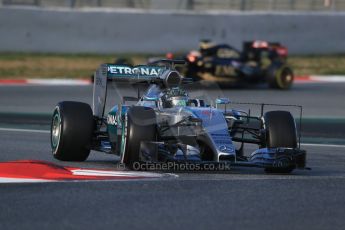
284, 78
56, 131
124, 139
287, 79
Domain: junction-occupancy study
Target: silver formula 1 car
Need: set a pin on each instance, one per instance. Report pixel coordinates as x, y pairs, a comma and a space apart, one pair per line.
166, 125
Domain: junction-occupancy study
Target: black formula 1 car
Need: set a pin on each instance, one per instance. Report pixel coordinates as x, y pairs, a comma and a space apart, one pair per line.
259, 62
165, 125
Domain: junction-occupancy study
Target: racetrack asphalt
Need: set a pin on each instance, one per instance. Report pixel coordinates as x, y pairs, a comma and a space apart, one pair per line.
241, 198
317, 99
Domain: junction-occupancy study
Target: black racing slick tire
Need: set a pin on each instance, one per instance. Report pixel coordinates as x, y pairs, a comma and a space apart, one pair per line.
280, 77
141, 126
72, 127
280, 132
280, 129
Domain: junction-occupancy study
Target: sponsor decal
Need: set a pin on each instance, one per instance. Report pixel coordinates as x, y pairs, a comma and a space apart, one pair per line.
111, 120
207, 112
137, 71
226, 149
225, 70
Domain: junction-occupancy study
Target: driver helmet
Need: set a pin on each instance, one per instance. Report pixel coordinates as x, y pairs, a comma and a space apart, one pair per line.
174, 97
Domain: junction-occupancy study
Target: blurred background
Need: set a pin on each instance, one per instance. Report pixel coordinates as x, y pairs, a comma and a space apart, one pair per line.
73, 37
241, 5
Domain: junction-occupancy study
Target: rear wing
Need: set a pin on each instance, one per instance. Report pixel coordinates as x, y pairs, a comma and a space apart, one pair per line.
134, 74
164, 76
255, 48
120, 73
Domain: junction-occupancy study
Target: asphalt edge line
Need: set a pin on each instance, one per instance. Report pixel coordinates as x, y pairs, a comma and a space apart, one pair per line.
323, 145
25, 130
46, 82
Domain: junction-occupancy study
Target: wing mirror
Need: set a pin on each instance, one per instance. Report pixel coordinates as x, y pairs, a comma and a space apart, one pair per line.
222, 101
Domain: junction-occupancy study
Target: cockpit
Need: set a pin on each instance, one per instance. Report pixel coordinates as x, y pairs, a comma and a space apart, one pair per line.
174, 97
169, 98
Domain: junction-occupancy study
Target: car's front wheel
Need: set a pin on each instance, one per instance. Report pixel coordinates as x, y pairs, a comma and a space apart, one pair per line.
141, 126
280, 132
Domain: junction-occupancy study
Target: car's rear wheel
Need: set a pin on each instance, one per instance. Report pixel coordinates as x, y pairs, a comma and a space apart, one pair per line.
141, 126
280, 132
71, 131
280, 77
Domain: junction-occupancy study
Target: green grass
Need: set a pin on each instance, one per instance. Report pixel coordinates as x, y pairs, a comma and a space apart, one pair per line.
318, 65
38, 65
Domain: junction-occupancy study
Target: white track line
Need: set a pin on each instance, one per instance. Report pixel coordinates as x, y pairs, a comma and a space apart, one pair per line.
58, 82
104, 173
330, 79
22, 180
25, 130
323, 145
235, 177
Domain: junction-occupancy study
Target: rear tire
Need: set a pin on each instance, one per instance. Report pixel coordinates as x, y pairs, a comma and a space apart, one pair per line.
280, 77
280, 132
141, 126
71, 131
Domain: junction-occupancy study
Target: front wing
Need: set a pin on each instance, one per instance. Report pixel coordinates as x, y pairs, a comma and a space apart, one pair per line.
159, 152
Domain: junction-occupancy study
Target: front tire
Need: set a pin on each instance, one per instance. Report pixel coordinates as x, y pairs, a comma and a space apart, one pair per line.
71, 131
141, 126
280, 132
